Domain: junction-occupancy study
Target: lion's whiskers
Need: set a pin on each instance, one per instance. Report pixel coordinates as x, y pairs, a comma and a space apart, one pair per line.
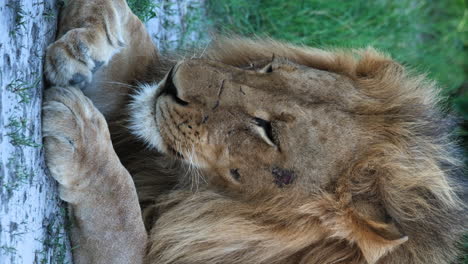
189, 174
203, 52
179, 149
193, 168
120, 83
196, 176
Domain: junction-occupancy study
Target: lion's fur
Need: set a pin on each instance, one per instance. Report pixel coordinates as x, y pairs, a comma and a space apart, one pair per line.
389, 196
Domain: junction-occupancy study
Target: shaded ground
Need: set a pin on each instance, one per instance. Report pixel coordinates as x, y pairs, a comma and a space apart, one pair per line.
32, 218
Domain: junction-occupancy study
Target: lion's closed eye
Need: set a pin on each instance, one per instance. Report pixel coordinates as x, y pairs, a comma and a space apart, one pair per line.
265, 130
267, 69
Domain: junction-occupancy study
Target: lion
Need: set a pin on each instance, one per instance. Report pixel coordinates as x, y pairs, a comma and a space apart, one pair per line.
251, 151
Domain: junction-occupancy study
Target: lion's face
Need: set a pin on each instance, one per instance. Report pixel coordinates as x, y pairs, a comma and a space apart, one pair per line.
272, 124
310, 147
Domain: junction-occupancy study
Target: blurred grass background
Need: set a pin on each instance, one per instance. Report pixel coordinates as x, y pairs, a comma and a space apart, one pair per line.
430, 36
144, 9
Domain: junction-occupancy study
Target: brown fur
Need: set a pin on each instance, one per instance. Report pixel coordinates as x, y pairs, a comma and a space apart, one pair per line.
361, 167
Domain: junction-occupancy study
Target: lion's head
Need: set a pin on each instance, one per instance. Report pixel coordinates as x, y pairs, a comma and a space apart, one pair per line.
308, 156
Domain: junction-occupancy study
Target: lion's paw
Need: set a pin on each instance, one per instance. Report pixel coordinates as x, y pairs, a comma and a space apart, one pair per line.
75, 136
76, 56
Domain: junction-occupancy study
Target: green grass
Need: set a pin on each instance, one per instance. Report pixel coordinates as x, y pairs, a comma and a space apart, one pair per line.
19, 17
191, 32
55, 242
22, 89
144, 9
18, 133
20, 175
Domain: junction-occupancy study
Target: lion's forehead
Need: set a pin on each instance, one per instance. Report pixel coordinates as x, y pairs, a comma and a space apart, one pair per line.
292, 86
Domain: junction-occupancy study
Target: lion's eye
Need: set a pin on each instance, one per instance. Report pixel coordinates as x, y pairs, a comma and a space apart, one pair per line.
267, 69
265, 130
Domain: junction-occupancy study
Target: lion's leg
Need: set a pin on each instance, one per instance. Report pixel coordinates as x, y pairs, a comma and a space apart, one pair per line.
108, 226
102, 48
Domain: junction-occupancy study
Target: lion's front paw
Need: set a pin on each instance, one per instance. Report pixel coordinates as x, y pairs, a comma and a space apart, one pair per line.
73, 59
76, 136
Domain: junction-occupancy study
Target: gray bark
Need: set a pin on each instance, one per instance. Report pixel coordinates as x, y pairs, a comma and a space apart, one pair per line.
32, 227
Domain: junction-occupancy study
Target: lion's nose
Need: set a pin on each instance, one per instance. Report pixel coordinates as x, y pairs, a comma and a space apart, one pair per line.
170, 88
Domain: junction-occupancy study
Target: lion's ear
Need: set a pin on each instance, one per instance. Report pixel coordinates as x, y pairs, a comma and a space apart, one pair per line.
372, 229
361, 222
375, 238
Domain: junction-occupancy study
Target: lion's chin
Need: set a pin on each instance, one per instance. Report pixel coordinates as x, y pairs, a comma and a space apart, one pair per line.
142, 117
